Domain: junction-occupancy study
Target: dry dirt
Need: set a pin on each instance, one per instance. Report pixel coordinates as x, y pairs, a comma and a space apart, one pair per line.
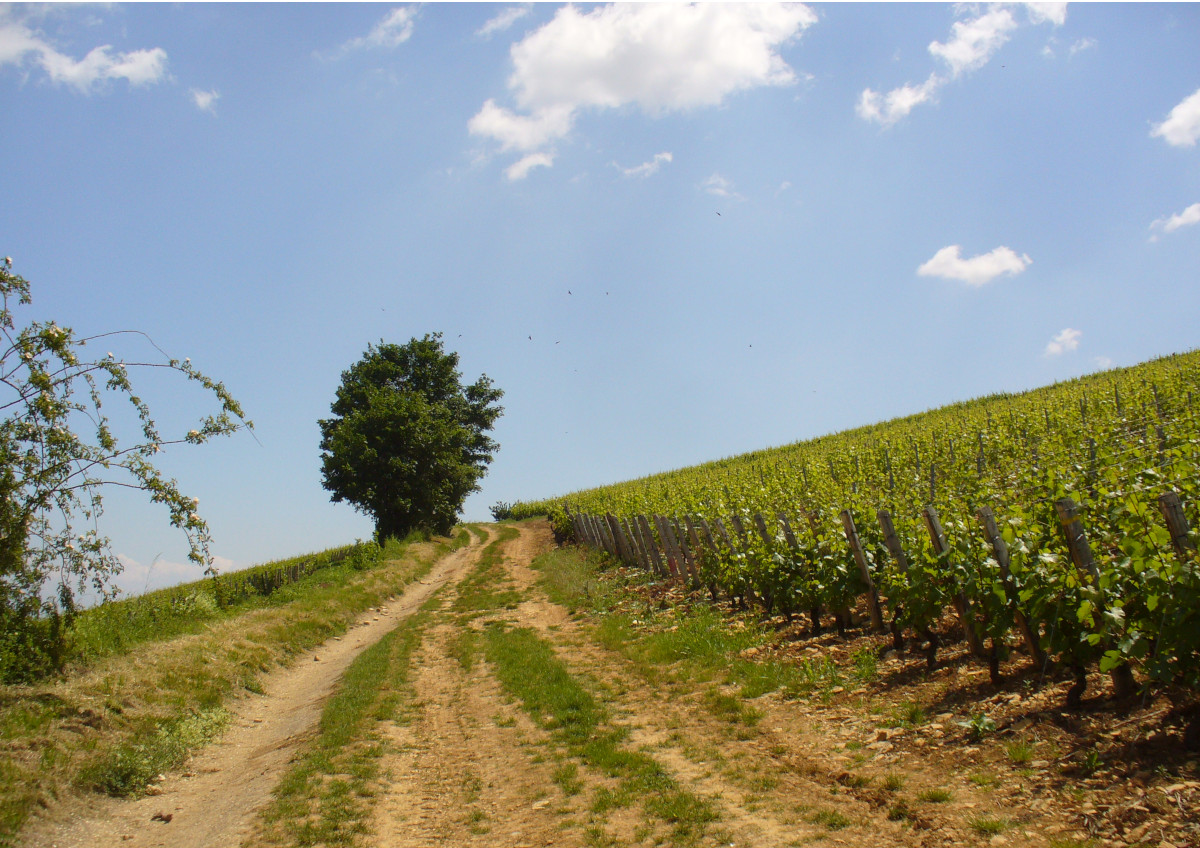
468, 767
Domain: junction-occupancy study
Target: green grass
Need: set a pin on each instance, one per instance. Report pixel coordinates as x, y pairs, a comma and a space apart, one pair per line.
893, 782
1019, 751
731, 708
988, 826
830, 819
935, 796
132, 765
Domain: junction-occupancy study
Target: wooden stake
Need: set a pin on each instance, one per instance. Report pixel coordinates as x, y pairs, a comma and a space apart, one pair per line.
1124, 684
861, 558
991, 532
961, 604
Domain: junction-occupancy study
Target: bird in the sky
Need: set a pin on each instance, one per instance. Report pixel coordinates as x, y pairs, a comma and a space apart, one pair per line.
718, 214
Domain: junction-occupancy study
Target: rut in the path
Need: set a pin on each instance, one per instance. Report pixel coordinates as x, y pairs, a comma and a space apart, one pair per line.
213, 803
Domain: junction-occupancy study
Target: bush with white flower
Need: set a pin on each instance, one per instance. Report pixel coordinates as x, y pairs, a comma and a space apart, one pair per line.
58, 449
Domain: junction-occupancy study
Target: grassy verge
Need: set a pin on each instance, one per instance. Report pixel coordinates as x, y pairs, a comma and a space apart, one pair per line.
114, 725
692, 643
116, 627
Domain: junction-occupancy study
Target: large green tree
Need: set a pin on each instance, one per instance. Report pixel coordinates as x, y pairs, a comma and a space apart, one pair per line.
408, 441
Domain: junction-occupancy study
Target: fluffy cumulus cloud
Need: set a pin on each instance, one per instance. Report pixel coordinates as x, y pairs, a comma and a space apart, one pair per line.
206, 101
1171, 223
1066, 340
505, 19
1182, 126
972, 44
23, 47
659, 58
647, 169
976, 271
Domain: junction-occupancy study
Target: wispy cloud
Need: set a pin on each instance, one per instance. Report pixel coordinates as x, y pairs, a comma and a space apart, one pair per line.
719, 186
1182, 127
393, 29
520, 169
206, 101
700, 54
505, 19
1103, 362
972, 44
646, 169
1066, 340
976, 271
21, 46
1171, 223
1082, 44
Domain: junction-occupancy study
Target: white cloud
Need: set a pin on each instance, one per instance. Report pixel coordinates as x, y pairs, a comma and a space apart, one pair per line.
1186, 218
972, 44
976, 271
783, 186
1040, 13
888, 108
1081, 45
206, 101
1182, 126
1103, 362
658, 57
520, 132
504, 20
1066, 340
395, 28
646, 169
19, 44
521, 168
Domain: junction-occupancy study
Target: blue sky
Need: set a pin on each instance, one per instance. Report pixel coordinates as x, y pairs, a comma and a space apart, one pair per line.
724, 228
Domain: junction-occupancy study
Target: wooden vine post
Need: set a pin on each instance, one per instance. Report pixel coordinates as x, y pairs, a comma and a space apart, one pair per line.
1124, 684
1172, 511
860, 557
991, 532
648, 543
961, 605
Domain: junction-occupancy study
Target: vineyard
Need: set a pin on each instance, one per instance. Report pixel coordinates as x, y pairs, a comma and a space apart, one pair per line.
1056, 522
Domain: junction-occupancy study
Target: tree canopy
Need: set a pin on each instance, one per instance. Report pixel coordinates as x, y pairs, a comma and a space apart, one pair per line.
408, 441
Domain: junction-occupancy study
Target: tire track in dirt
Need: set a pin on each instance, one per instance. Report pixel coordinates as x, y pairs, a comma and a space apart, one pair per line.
212, 803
